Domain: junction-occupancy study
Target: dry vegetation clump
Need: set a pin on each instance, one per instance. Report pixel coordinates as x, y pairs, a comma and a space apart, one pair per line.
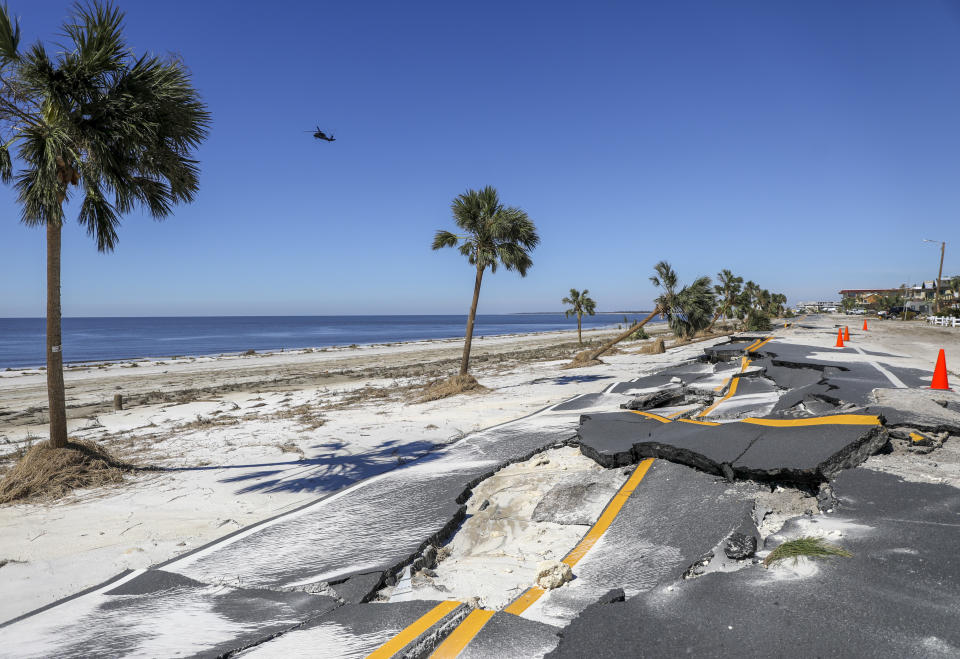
202, 422
51, 473
582, 359
656, 348
457, 384
309, 417
291, 447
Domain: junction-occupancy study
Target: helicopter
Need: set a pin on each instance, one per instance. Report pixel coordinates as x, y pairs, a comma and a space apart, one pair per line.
320, 135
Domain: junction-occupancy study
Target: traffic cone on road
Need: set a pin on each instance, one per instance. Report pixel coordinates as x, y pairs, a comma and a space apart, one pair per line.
846, 333
839, 338
940, 373
864, 324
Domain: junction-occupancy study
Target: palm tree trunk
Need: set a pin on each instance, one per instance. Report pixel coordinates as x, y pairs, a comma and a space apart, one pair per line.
465, 362
716, 317
55, 393
579, 336
633, 328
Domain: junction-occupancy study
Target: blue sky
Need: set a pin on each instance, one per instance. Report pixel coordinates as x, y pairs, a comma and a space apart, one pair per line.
810, 146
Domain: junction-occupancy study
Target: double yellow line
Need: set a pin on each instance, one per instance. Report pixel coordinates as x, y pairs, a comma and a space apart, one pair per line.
756, 345
834, 420
465, 632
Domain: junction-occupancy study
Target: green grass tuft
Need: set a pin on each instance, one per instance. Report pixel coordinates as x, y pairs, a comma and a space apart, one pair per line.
807, 546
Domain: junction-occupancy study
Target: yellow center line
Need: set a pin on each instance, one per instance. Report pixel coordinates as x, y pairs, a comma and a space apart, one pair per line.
722, 385
609, 514
661, 419
523, 602
836, 420
762, 343
734, 383
674, 415
700, 423
462, 635
917, 437
412, 631
744, 364
750, 347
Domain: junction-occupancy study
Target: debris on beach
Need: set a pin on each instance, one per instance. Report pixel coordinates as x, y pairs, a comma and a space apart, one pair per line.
50, 473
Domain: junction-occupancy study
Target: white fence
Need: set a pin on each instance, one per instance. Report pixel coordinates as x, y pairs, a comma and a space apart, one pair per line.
945, 321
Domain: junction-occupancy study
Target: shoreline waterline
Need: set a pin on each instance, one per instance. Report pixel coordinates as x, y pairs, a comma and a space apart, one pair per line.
93, 341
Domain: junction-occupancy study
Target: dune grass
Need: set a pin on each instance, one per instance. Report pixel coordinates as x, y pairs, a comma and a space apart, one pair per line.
807, 546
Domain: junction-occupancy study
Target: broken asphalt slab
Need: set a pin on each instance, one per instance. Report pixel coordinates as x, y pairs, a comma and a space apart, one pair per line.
373, 527
507, 635
161, 614
674, 516
897, 596
377, 525
931, 410
357, 630
759, 449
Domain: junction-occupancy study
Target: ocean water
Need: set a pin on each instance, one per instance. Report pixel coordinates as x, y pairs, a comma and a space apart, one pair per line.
23, 340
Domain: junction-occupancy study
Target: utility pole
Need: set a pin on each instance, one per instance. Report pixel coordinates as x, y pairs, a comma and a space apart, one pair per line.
936, 295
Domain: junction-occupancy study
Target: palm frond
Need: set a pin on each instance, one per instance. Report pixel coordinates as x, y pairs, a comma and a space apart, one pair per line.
498, 235
9, 35
444, 239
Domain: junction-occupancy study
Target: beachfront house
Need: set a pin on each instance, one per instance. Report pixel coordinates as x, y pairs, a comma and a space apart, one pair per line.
918, 297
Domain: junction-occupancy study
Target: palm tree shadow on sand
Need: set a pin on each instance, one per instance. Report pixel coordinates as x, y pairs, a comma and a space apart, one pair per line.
328, 471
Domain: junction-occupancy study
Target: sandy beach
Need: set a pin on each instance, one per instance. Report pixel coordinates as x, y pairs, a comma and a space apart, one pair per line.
242, 438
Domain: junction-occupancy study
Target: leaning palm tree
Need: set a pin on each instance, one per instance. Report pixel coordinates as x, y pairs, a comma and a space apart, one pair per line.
727, 291
120, 129
688, 310
493, 235
580, 304
678, 306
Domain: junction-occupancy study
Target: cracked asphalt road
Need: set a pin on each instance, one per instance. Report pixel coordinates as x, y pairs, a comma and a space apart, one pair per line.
751, 415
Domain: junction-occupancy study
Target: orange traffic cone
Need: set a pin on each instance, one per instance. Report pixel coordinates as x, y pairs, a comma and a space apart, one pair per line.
864, 324
846, 333
940, 373
839, 338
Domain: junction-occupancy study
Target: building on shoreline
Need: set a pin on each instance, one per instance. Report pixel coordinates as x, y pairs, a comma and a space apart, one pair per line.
919, 298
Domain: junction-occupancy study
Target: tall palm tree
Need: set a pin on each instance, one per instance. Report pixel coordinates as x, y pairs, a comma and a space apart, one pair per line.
727, 291
119, 128
493, 234
580, 304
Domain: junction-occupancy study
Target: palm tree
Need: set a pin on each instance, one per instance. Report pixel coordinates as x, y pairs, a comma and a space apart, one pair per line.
728, 292
121, 129
751, 293
778, 302
685, 310
579, 304
494, 235
765, 301
689, 310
